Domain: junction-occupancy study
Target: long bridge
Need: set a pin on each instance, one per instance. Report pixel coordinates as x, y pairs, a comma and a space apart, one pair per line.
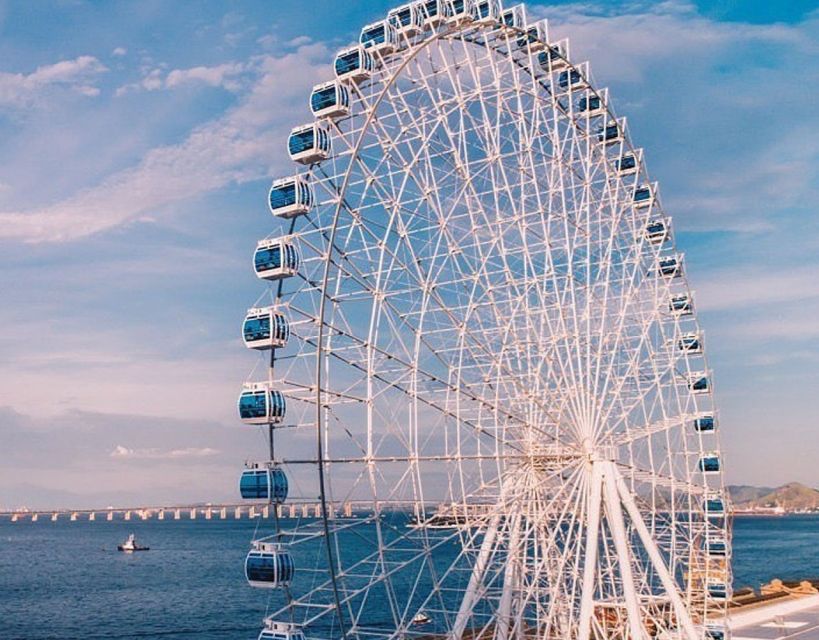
235, 511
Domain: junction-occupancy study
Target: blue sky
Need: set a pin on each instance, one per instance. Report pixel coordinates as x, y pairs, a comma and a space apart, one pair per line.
137, 140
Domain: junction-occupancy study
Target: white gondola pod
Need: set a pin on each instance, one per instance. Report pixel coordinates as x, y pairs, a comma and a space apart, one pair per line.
379, 36
699, 382
274, 630
276, 258
705, 423
488, 12
459, 11
535, 36
644, 195
330, 100
612, 132
716, 631
309, 143
657, 231
259, 403
433, 12
572, 78
514, 18
354, 64
670, 266
681, 304
269, 565
690, 343
556, 57
263, 481
408, 19
265, 328
592, 104
709, 463
718, 589
714, 506
290, 197
629, 163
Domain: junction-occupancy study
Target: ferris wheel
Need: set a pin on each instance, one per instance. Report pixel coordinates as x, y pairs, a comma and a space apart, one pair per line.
479, 333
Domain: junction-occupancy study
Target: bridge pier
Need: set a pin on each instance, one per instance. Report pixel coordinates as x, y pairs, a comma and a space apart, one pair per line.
348, 509
54, 517
34, 517
161, 514
92, 517
127, 515
292, 511
237, 514
208, 514
193, 514
223, 514
110, 516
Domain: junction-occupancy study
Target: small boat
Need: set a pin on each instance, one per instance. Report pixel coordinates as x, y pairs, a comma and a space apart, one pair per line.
421, 618
130, 545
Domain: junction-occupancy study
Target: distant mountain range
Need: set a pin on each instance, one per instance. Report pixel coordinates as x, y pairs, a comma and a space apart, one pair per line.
793, 496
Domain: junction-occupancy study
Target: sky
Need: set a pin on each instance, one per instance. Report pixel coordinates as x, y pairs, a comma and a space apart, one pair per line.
137, 142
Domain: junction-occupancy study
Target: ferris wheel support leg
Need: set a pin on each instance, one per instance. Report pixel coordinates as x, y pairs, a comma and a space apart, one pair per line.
471, 593
670, 586
505, 622
592, 544
614, 516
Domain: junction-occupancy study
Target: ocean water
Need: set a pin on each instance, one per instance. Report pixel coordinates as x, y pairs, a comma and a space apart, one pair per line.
66, 581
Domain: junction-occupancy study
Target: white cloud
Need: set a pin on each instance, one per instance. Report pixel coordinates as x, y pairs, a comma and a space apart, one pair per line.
119, 51
236, 147
731, 289
158, 454
21, 90
223, 75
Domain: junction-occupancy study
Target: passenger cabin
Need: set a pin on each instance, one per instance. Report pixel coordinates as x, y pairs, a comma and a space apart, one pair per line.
459, 11
699, 382
280, 631
535, 36
330, 100
433, 12
257, 480
610, 133
269, 565
354, 64
555, 57
570, 79
309, 143
408, 19
290, 197
656, 232
379, 36
715, 631
643, 196
627, 164
716, 547
487, 11
276, 259
717, 589
591, 105
669, 267
681, 305
259, 404
714, 506
705, 424
690, 343
514, 18
709, 463
264, 328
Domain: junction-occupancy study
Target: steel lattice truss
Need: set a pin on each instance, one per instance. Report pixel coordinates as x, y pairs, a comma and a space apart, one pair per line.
482, 318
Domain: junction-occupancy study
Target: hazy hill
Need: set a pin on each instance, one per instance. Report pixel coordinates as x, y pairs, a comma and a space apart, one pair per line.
791, 496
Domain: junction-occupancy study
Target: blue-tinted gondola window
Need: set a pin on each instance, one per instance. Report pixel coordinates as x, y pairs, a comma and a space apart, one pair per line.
642, 194
253, 485
431, 8
277, 404
347, 62
257, 329
302, 141
626, 162
457, 6
283, 196
709, 464
483, 10
404, 17
375, 35
700, 384
253, 405
267, 259
566, 77
323, 98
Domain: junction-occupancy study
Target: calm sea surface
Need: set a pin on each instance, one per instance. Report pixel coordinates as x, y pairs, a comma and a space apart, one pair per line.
66, 580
